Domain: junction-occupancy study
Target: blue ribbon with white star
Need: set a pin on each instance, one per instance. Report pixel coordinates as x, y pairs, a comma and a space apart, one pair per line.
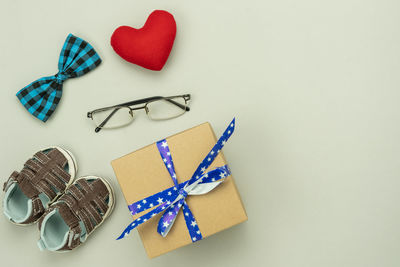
172, 199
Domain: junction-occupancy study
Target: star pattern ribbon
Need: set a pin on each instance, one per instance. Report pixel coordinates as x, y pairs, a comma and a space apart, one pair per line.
172, 199
41, 97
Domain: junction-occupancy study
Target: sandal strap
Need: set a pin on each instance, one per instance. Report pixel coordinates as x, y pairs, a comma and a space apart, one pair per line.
38, 210
74, 239
37, 206
10, 180
87, 200
70, 219
44, 173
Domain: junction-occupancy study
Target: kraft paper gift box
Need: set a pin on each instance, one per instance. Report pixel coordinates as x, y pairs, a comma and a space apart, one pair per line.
142, 173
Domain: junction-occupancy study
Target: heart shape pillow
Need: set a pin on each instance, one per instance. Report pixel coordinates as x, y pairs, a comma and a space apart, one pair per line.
148, 46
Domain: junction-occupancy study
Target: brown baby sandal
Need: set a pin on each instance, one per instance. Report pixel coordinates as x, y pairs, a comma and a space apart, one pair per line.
68, 222
42, 180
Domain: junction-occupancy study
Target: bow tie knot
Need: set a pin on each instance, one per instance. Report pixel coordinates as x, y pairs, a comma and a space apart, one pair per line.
61, 77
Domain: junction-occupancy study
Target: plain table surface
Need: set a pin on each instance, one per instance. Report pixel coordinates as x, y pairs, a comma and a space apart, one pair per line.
314, 86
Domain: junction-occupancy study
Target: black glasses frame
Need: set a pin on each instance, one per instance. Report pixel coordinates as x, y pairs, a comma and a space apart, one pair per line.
144, 101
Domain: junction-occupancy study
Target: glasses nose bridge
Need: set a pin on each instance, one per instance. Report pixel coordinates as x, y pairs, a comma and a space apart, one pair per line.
138, 108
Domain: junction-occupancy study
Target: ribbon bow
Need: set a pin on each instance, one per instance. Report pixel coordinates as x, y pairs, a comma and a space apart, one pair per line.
41, 97
171, 200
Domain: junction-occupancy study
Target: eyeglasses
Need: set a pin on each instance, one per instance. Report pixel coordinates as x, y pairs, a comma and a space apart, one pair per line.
157, 108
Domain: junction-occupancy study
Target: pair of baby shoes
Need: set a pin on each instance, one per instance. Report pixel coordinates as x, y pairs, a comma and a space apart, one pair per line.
67, 210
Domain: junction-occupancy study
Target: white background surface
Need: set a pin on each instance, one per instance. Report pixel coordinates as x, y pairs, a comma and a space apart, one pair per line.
314, 86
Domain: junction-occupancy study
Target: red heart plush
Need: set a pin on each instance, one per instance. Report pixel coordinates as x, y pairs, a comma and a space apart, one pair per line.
148, 46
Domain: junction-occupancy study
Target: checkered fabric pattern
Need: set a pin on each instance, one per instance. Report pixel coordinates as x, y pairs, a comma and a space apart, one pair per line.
41, 97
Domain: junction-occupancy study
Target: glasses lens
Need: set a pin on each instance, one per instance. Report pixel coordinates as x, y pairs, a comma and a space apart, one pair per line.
166, 108
114, 117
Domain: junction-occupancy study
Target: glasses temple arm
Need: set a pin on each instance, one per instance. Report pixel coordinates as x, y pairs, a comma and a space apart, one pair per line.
140, 101
98, 128
125, 104
145, 100
178, 104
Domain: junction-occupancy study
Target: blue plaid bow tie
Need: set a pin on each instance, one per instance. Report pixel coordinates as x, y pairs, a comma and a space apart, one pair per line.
41, 97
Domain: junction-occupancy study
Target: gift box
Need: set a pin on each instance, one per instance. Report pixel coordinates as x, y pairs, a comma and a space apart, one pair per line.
145, 173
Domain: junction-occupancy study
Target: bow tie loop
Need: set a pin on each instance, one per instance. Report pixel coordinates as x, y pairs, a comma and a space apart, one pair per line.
42, 96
